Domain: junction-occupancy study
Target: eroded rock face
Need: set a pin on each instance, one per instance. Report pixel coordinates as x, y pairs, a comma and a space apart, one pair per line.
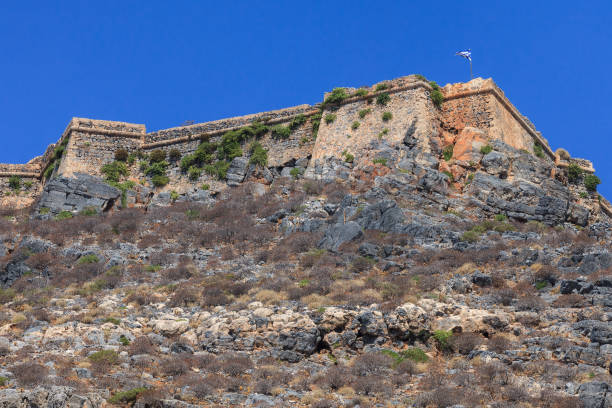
78, 193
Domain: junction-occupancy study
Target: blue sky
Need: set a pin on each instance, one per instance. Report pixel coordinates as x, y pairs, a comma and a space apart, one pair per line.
161, 63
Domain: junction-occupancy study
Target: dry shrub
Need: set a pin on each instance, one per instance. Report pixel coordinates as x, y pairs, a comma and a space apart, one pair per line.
334, 378
181, 271
141, 345
174, 366
530, 303
30, 373
504, 296
571, 300
546, 273
499, 343
464, 343
266, 378
184, 296
234, 364
213, 296
371, 364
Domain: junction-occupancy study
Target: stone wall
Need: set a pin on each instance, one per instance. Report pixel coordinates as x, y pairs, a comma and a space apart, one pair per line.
411, 111
481, 104
472, 114
92, 143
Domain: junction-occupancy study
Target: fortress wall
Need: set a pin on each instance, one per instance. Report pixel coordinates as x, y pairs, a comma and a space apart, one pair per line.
26, 195
410, 104
162, 137
481, 104
92, 143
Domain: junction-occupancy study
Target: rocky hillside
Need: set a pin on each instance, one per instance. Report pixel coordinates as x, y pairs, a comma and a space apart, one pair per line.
403, 280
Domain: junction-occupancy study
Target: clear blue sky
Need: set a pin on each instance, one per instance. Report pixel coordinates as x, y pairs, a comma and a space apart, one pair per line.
164, 62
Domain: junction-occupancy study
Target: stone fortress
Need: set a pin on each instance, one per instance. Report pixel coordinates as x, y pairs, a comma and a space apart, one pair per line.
330, 140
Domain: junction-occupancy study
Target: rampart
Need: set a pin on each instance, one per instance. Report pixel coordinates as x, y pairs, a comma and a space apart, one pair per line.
387, 111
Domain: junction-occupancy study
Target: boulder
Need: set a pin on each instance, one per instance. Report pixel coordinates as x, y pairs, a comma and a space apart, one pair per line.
468, 144
237, 171
76, 194
595, 394
338, 234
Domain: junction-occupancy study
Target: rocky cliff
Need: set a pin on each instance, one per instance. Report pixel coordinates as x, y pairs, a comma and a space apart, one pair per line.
411, 246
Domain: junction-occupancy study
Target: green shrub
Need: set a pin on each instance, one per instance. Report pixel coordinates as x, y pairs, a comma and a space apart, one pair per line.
205, 186
364, 112
297, 121
218, 169
338, 95
501, 217
470, 236
174, 155
382, 86
121, 155
157, 168
15, 182
591, 182
194, 173
450, 176
126, 397
349, 158
315, 120
447, 153
486, 149
28, 184
202, 156
281, 132
259, 155
112, 320
380, 160
295, 172
383, 132
157, 155
443, 338
383, 99
574, 172
88, 259
159, 180
330, 118
420, 77
124, 340
174, 196
387, 116
436, 95
44, 210
64, 215
89, 211
49, 171
3, 381
105, 357
538, 150
114, 171
583, 194
415, 354
355, 125
361, 92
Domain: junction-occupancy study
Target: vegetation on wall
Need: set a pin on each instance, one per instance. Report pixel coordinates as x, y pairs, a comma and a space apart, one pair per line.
436, 94
574, 172
259, 155
330, 118
338, 95
56, 158
121, 155
15, 182
447, 153
387, 116
383, 99
591, 182
486, 149
538, 150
